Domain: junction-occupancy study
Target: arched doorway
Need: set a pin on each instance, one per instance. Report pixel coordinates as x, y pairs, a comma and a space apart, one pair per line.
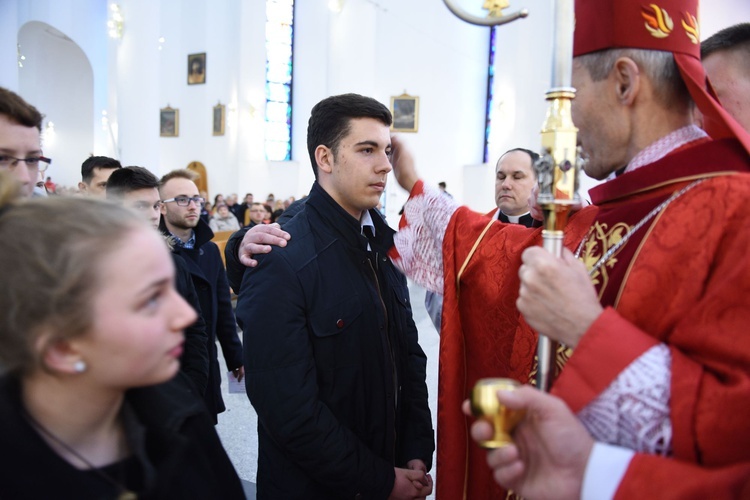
58, 79
200, 170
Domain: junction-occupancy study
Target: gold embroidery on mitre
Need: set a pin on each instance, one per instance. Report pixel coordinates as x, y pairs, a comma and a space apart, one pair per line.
658, 22
690, 25
599, 240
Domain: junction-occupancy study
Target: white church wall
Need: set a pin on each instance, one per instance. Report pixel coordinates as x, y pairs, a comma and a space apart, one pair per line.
135, 94
715, 16
426, 51
67, 128
376, 47
8, 41
65, 59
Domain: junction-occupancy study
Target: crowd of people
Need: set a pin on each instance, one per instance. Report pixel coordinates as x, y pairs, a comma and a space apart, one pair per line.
228, 214
114, 301
225, 213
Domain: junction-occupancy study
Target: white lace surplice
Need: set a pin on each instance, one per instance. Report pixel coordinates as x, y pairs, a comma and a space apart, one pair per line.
420, 242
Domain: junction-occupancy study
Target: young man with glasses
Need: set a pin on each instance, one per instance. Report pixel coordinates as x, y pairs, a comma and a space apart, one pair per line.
137, 189
181, 209
20, 140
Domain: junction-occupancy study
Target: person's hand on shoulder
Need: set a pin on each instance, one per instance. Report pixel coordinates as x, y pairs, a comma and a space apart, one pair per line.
260, 239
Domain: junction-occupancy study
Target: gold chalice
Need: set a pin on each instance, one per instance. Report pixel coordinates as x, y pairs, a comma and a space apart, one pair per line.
485, 405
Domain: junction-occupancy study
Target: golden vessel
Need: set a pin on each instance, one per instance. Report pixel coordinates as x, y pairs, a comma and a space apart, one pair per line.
485, 405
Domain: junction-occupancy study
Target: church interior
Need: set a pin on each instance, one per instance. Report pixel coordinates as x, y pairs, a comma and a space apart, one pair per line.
225, 87
109, 76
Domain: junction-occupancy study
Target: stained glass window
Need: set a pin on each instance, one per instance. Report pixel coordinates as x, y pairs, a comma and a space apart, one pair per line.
490, 94
279, 42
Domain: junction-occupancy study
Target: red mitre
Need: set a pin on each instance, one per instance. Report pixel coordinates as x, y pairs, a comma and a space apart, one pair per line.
667, 25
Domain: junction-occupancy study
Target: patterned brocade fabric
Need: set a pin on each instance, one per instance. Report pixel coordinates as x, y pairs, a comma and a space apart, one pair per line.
693, 403
420, 241
634, 410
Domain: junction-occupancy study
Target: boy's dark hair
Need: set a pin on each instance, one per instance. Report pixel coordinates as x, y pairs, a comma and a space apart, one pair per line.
330, 120
125, 180
19, 111
92, 162
733, 37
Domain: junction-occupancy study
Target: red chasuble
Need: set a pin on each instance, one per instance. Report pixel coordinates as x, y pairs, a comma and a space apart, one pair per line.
683, 278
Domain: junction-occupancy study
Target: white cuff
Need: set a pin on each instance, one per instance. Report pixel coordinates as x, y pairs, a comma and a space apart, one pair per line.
604, 471
633, 411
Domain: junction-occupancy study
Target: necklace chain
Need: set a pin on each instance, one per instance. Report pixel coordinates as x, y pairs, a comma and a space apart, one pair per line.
635, 228
125, 493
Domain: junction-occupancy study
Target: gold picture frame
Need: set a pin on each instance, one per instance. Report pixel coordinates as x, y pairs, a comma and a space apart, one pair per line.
169, 122
196, 69
405, 111
219, 118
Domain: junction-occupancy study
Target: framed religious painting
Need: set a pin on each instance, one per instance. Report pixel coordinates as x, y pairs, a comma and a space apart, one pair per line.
219, 118
405, 111
196, 69
169, 122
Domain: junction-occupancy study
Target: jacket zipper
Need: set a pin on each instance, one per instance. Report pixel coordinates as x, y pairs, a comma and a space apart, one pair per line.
390, 351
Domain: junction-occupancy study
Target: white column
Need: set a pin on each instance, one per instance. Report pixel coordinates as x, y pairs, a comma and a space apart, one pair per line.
137, 89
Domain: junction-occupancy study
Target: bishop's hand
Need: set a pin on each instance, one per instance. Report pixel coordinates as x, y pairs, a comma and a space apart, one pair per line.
556, 296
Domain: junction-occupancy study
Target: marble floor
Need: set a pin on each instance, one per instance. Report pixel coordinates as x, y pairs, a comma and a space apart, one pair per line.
237, 426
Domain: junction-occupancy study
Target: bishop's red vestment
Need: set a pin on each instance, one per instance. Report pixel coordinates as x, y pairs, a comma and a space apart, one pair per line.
682, 279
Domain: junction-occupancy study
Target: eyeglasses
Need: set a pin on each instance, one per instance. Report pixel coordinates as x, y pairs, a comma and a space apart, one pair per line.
38, 163
184, 201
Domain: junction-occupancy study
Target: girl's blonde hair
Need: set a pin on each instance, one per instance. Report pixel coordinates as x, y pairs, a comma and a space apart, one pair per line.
50, 256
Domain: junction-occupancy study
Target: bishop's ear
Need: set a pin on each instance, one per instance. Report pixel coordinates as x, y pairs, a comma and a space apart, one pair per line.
627, 78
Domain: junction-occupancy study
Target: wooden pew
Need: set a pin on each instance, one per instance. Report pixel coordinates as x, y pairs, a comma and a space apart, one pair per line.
221, 238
